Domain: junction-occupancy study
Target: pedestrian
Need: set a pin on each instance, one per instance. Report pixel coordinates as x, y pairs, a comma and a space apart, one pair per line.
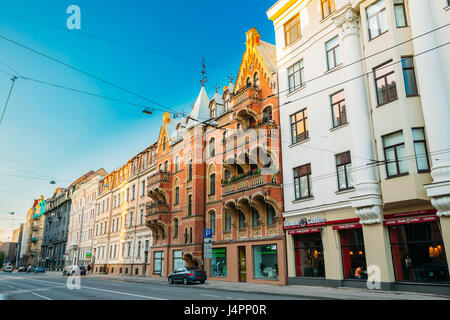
359, 272
89, 268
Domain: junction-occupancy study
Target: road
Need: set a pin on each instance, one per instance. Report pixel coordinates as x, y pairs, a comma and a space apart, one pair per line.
30, 286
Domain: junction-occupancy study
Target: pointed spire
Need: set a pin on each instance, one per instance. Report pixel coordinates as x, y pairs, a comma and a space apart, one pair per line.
204, 77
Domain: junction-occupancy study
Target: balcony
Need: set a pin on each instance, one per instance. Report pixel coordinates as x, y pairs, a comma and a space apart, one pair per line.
157, 209
34, 240
158, 178
245, 95
249, 182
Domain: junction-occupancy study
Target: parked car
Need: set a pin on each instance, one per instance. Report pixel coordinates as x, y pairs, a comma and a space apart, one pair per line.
22, 269
8, 269
71, 270
187, 275
39, 270
31, 269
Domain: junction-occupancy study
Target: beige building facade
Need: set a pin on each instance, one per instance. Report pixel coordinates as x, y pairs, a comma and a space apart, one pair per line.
365, 141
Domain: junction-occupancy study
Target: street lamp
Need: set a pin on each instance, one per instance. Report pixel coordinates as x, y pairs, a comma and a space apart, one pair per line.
147, 111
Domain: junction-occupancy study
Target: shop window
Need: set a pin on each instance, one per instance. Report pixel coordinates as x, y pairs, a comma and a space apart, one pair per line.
265, 262
158, 262
219, 262
418, 253
178, 261
309, 255
353, 254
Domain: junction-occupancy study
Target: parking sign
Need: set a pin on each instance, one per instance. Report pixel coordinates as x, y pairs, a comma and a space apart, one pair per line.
207, 233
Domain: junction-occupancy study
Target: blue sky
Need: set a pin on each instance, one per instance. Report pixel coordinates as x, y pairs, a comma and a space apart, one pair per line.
49, 133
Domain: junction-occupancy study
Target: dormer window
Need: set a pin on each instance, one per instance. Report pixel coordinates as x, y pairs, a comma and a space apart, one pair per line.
213, 113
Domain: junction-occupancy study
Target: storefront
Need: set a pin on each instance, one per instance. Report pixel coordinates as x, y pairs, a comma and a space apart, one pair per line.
330, 250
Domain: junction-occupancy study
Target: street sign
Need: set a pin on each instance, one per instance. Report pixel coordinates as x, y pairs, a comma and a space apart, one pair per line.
207, 252
207, 233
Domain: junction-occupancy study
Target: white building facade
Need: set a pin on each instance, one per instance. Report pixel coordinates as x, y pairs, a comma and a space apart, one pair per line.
364, 111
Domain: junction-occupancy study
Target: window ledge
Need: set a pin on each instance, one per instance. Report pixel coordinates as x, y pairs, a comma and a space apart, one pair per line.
339, 127
296, 90
397, 176
293, 42
303, 200
447, 8
383, 104
298, 143
332, 14
345, 191
378, 35
335, 68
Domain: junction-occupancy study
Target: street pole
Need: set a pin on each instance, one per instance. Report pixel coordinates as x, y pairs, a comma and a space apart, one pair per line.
13, 79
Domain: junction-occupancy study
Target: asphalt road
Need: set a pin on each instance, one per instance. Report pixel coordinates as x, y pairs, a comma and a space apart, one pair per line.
30, 286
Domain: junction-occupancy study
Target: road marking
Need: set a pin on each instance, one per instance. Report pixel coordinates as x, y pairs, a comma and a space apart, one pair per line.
41, 296
105, 290
9, 286
209, 295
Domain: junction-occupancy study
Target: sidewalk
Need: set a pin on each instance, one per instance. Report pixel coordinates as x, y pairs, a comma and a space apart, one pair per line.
313, 292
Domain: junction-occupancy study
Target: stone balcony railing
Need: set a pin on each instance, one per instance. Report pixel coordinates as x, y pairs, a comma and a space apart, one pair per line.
157, 209
158, 178
248, 93
250, 182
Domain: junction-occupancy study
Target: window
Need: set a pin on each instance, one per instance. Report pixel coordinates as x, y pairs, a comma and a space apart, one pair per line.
227, 221
212, 112
327, 7
296, 76
131, 219
190, 234
271, 215
190, 205
164, 143
139, 249
302, 182
128, 194
333, 53
376, 16
190, 170
267, 114
178, 261
160, 167
299, 126
420, 149
353, 254
142, 188
395, 154
265, 262
141, 216
175, 228
177, 195
185, 235
177, 164
292, 29
212, 221
400, 13
212, 147
212, 184
418, 252
158, 262
255, 217
338, 112
133, 189
166, 166
241, 220
344, 168
256, 79
309, 255
409, 76
219, 262
385, 84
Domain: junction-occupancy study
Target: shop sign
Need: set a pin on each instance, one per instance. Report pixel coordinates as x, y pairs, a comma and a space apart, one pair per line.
410, 220
306, 230
347, 226
304, 222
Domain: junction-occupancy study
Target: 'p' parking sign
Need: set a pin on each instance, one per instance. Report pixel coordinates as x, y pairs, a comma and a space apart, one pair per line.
207, 233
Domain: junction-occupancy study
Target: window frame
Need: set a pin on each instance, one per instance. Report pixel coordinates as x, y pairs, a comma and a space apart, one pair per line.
300, 71
377, 15
347, 187
395, 146
403, 6
294, 124
333, 49
413, 73
384, 76
329, 2
297, 181
340, 103
287, 32
424, 141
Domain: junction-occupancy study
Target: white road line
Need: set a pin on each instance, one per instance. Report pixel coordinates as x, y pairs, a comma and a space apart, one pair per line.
9, 286
105, 290
41, 296
209, 295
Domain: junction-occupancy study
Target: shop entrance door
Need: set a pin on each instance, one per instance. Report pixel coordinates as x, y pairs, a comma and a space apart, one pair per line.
242, 265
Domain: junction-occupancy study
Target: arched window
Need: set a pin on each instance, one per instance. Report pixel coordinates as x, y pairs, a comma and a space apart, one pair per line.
177, 195
190, 234
267, 114
255, 217
185, 235
227, 174
166, 166
177, 164
212, 221
239, 169
248, 82
164, 143
241, 220
256, 79
212, 184
160, 167
175, 228
190, 170
271, 215
227, 221
212, 147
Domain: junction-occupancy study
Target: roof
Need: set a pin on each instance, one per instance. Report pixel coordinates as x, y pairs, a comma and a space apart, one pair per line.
268, 53
200, 111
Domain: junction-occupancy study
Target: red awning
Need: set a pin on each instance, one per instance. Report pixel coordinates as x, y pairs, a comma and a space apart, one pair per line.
304, 230
347, 226
393, 222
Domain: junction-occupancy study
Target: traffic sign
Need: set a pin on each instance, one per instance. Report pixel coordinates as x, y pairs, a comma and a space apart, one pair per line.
207, 233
